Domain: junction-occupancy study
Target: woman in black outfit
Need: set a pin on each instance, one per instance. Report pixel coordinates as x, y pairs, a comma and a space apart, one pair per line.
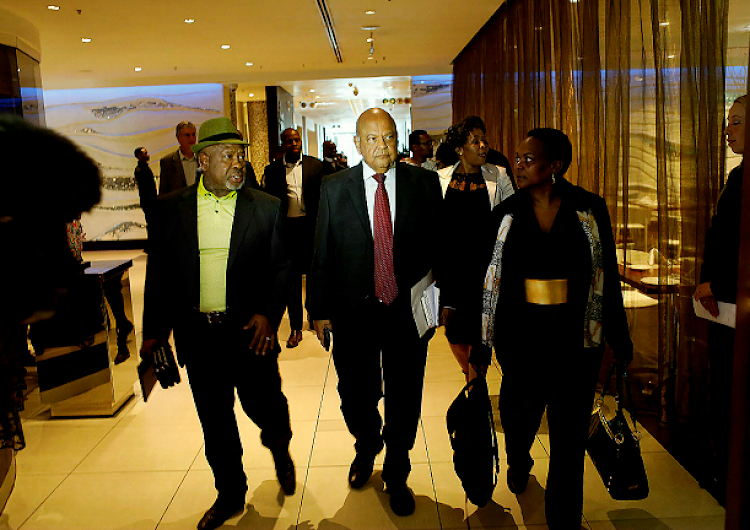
551, 297
719, 282
471, 188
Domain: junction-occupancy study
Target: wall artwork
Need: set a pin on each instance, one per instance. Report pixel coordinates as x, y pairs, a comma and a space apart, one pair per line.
109, 123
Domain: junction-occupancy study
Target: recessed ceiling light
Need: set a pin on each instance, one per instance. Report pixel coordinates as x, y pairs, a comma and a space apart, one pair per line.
370, 58
225, 46
369, 39
248, 64
317, 97
312, 90
251, 95
390, 88
189, 20
53, 8
370, 28
670, 56
369, 12
664, 24
138, 68
85, 39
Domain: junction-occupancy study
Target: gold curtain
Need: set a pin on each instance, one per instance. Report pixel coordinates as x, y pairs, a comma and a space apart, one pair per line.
638, 86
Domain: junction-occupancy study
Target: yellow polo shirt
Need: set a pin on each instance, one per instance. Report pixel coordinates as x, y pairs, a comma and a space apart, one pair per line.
215, 219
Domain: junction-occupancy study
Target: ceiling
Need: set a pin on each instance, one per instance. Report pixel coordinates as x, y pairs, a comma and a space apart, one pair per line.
285, 40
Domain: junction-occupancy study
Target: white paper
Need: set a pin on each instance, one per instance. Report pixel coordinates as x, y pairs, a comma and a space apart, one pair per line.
425, 304
727, 313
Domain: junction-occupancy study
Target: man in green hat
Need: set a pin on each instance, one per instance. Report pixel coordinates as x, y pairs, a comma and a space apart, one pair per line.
216, 279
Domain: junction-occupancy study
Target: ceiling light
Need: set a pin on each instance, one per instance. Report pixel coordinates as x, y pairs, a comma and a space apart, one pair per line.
53, 8
189, 20
573, 1
369, 12
251, 95
248, 64
138, 68
670, 56
317, 97
312, 90
390, 88
85, 39
369, 39
225, 46
370, 28
370, 58
664, 24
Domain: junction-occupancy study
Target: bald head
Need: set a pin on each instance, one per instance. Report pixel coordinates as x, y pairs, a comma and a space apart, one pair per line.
377, 139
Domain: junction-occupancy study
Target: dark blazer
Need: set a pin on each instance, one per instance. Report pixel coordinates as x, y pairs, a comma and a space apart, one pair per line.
341, 282
614, 321
721, 253
274, 182
257, 269
144, 179
171, 173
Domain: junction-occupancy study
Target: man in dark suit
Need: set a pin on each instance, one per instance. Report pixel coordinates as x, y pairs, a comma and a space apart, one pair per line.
330, 162
177, 170
216, 277
295, 179
375, 239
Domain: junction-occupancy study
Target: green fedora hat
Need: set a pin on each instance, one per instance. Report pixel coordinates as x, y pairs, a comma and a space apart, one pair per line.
217, 131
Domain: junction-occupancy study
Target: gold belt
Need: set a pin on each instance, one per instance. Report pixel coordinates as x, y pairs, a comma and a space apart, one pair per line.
546, 292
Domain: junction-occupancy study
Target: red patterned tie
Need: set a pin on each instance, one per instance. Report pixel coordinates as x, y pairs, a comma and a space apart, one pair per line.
385, 278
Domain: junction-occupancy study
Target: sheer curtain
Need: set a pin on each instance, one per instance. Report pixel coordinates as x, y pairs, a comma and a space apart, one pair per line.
638, 86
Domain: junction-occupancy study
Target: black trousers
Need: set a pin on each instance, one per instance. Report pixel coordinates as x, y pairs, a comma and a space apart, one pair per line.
220, 363
721, 364
386, 362
299, 245
544, 374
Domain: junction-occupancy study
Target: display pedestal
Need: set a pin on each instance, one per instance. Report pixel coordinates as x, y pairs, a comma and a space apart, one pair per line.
83, 379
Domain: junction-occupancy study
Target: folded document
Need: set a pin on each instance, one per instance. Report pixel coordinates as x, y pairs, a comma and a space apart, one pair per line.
727, 313
425, 304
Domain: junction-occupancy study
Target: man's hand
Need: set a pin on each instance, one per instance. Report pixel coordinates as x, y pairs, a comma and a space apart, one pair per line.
264, 338
319, 326
445, 316
149, 345
705, 296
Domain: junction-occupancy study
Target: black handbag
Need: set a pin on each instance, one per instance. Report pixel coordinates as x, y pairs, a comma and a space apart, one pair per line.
472, 432
614, 449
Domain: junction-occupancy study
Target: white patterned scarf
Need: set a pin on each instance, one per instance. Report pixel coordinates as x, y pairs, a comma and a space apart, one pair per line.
592, 332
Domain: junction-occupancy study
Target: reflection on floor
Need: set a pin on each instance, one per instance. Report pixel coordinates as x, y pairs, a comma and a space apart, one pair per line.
145, 468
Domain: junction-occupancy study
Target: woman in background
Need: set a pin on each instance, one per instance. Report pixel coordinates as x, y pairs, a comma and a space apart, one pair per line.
551, 297
471, 188
719, 283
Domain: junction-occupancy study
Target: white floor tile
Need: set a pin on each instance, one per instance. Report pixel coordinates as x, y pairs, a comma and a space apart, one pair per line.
28, 494
132, 501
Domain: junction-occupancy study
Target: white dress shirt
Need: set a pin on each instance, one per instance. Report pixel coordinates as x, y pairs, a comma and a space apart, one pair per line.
371, 186
294, 188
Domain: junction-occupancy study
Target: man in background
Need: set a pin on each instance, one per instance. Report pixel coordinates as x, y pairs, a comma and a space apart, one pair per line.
330, 163
295, 179
420, 144
177, 170
144, 179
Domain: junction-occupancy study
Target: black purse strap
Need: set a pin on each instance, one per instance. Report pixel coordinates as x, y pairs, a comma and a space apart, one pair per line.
622, 386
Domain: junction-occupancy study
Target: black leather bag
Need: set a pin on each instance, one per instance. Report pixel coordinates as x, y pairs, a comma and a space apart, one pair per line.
472, 432
614, 449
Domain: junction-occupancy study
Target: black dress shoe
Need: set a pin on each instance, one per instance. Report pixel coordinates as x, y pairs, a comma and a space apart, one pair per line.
360, 470
517, 482
285, 472
219, 513
402, 500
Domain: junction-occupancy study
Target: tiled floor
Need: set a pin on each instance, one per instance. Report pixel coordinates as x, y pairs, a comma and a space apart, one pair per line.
145, 468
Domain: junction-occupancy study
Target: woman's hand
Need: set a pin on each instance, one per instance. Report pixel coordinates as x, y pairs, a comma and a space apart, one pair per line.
705, 296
